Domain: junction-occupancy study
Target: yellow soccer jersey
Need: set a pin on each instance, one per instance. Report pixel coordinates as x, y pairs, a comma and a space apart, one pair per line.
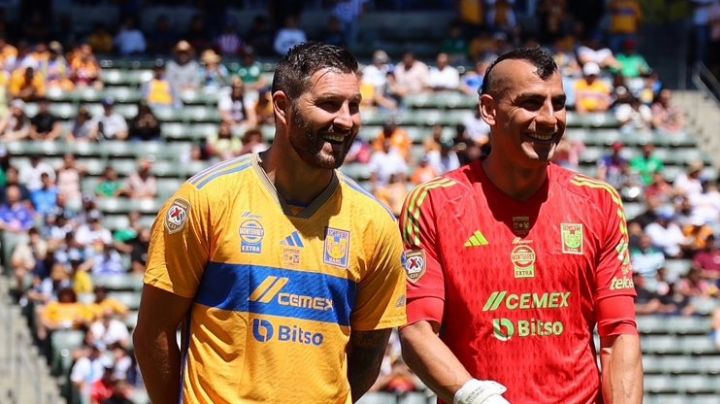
276, 291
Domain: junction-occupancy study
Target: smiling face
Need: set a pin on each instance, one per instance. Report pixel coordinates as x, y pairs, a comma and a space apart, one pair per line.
527, 114
325, 119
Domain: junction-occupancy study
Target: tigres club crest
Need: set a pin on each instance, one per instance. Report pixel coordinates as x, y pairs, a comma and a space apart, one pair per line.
336, 250
414, 263
572, 238
177, 216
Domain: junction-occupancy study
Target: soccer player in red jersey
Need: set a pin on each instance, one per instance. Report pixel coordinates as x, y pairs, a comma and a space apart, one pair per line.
512, 261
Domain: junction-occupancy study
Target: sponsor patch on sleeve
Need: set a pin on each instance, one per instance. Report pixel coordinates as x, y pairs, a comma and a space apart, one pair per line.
415, 264
177, 216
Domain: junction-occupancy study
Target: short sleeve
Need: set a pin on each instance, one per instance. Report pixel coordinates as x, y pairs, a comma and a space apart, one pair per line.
424, 274
381, 292
179, 244
613, 275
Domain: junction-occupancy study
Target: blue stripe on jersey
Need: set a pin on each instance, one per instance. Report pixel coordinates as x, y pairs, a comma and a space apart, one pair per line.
218, 174
278, 292
199, 176
296, 238
354, 185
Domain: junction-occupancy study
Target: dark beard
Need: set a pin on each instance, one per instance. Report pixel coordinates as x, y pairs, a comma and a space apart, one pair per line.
308, 143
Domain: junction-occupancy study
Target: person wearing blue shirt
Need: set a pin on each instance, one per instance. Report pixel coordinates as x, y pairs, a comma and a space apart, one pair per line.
45, 198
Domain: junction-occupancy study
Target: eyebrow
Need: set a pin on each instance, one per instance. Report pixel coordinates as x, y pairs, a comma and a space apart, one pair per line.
334, 96
530, 96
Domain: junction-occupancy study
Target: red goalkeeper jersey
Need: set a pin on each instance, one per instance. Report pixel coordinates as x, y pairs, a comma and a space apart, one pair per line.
515, 285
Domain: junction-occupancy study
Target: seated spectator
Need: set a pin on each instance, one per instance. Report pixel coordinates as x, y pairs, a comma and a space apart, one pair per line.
375, 74
647, 164
108, 330
689, 183
592, 51
109, 186
632, 64
647, 260
26, 84
12, 178
455, 45
106, 260
591, 94
145, 126
57, 72
707, 260
412, 76
715, 327
564, 56
432, 143
424, 172
385, 163
68, 179
666, 117
183, 71
696, 233
65, 313
83, 127
224, 144
100, 39
659, 189
110, 125
84, 68
29, 258
567, 153
471, 82
252, 142
44, 199
445, 159
393, 193
30, 174
130, 40
706, 205
15, 125
127, 234
141, 184
102, 390
103, 304
235, 109
214, 75
611, 166
443, 76
250, 71
139, 251
698, 292
634, 117
288, 36
15, 216
398, 137
229, 42
667, 235
264, 108
87, 371
93, 231
44, 125
160, 91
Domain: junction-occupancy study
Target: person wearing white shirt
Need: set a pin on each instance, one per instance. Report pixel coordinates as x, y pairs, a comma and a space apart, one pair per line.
289, 36
375, 74
87, 370
411, 75
30, 175
384, 164
110, 125
477, 129
666, 234
443, 76
108, 330
690, 184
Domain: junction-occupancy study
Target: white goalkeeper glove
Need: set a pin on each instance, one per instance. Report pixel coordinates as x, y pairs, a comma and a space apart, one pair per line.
480, 392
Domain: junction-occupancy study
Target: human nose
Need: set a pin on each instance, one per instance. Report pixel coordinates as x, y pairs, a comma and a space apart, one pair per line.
546, 116
344, 117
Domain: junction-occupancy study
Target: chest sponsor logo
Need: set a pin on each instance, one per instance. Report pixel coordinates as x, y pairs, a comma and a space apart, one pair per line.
527, 301
271, 289
414, 263
573, 237
265, 331
523, 260
251, 236
504, 329
177, 216
521, 225
336, 250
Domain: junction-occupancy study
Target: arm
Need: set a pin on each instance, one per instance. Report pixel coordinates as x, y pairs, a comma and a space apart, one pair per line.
155, 343
365, 355
432, 360
622, 374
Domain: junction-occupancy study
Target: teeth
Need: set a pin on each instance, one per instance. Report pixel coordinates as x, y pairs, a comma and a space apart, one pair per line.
334, 138
541, 137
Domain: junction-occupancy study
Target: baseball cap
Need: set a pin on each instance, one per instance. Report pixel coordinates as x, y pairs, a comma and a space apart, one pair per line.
108, 102
17, 103
380, 56
591, 69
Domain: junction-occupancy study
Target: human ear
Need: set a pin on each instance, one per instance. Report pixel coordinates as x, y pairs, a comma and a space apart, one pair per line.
487, 109
281, 106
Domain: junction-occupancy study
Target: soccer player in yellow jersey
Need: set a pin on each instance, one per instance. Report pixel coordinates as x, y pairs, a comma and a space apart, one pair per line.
284, 276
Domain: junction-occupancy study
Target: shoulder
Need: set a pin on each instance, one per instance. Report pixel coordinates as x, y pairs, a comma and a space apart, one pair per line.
217, 181
360, 196
447, 187
590, 188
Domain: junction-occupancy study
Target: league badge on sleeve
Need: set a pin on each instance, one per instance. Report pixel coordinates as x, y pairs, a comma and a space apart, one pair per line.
177, 216
414, 263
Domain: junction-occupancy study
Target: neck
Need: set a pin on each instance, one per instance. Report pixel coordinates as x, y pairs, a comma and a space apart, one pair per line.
292, 177
519, 183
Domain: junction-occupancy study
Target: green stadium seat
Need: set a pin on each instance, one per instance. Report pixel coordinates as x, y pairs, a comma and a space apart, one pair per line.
128, 111
64, 111
87, 94
63, 343
702, 399
591, 154
113, 76
123, 94
167, 187
120, 148
701, 344
677, 267
124, 167
688, 325
649, 324
173, 130
652, 364
659, 383
119, 282
356, 171
698, 383
115, 222
678, 364
130, 299
660, 344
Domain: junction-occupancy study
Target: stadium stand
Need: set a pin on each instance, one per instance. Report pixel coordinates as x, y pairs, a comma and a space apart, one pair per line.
678, 272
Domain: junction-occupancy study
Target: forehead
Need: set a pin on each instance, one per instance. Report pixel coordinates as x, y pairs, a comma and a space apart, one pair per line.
520, 77
332, 82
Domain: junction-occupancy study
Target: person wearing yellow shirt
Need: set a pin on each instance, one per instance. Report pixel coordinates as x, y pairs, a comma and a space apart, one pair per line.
399, 139
26, 85
591, 94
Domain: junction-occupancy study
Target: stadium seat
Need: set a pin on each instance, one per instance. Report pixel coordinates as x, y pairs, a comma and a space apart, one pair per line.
698, 384
678, 364
660, 344
119, 282
115, 222
659, 383
687, 325
123, 94
63, 342
677, 268
652, 324
130, 299
124, 167
701, 344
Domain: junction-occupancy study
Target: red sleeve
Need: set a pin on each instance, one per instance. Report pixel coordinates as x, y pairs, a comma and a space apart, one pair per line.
613, 275
616, 315
425, 279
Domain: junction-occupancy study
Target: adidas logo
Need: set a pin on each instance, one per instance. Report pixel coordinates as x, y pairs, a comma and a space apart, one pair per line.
476, 240
293, 240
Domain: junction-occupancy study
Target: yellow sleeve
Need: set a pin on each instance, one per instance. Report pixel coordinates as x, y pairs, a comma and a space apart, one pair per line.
15, 82
179, 245
381, 297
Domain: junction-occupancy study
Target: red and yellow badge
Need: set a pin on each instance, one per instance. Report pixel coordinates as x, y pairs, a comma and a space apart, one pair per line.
177, 216
414, 263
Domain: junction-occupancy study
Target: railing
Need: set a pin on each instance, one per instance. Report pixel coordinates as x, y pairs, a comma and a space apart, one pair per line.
24, 376
706, 82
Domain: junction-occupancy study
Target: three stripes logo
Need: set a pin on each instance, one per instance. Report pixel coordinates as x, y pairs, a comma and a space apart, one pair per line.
477, 239
293, 240
268, 289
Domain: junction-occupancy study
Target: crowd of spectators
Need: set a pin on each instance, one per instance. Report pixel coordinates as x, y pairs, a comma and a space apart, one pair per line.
56, 241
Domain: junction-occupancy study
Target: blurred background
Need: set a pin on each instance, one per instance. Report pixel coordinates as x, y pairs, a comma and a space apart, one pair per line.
106, 107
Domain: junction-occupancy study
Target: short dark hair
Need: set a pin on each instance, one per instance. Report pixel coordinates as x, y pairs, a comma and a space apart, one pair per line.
302, 61
539, 57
